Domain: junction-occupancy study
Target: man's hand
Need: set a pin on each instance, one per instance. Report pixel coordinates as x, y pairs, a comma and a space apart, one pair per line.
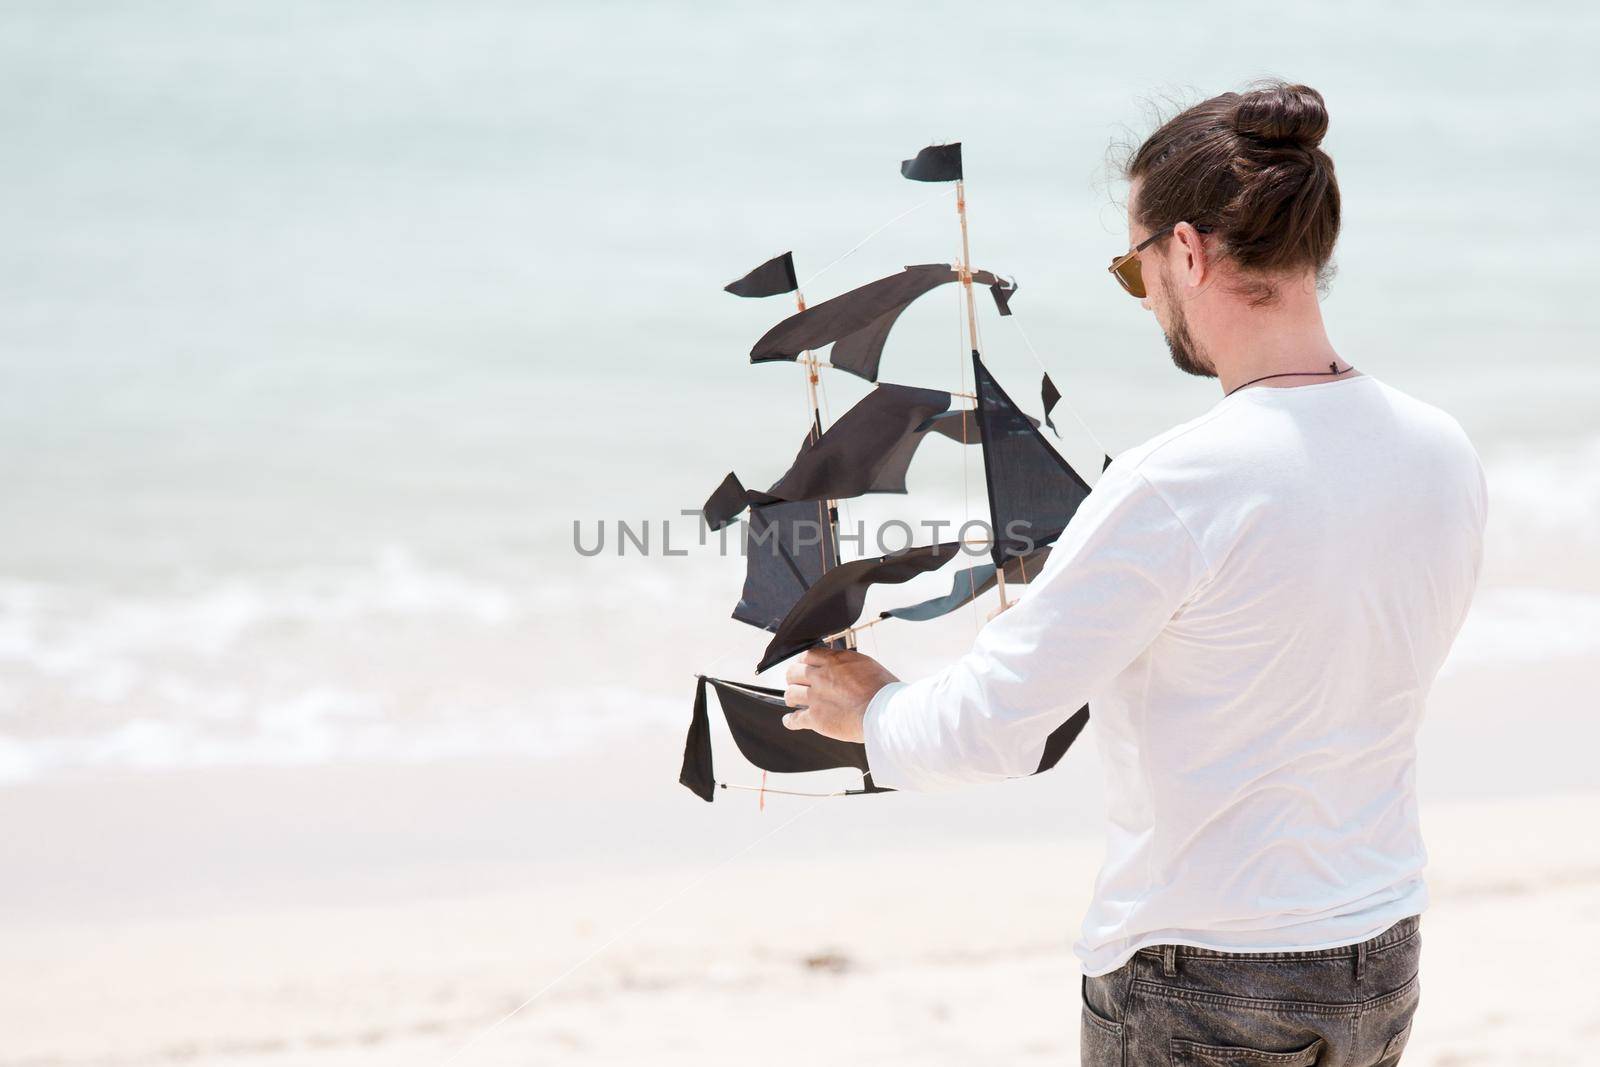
832, 690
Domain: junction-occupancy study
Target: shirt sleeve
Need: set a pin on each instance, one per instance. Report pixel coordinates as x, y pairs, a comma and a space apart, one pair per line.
1119, 573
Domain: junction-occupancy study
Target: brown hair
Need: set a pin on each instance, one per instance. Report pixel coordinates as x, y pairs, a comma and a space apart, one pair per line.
1249, 165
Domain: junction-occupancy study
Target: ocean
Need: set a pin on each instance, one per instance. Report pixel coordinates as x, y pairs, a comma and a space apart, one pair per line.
321, 327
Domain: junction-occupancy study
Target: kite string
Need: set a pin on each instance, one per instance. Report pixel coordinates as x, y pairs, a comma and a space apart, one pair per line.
706, 671
1035, 354
857, 246
629, 929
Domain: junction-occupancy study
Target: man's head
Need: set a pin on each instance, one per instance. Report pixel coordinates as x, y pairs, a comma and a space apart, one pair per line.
1244, 208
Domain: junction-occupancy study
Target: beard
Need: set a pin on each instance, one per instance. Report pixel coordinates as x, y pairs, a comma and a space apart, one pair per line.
1186, 354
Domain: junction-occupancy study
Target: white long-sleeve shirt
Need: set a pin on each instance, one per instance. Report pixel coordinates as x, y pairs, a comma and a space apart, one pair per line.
1254, 605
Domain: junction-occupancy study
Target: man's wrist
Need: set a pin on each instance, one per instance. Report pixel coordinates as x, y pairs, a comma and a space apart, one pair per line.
876, 705
875, 734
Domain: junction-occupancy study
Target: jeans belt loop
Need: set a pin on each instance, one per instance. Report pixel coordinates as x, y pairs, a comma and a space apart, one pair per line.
1361, 960
1169, 960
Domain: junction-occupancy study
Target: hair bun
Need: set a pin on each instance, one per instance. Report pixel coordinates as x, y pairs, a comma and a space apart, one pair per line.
1279, 113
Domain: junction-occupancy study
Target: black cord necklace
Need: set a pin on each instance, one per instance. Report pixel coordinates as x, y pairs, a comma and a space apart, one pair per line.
1333, 369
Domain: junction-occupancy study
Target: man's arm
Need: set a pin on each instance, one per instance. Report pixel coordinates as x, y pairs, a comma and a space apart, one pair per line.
1123, 568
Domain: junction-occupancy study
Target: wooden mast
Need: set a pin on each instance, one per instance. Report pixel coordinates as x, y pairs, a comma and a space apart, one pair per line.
830, 507
972, 330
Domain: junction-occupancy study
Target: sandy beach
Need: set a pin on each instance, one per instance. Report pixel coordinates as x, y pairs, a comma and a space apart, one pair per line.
397, 915
949, 955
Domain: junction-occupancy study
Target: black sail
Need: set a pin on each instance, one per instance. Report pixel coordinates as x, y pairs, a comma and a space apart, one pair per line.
788, 547
755, 718
697, 774
835, 601
868, 450
968, 585
1033, 492
960, 425
1061, 738
857, 323
754, 714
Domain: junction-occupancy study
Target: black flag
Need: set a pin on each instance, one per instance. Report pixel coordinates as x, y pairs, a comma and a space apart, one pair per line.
774, 276
936, 163
1051, 397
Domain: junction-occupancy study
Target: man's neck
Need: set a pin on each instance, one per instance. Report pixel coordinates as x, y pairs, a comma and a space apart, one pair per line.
1283, 338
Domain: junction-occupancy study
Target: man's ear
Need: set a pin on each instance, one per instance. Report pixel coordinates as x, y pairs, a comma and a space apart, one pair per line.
1193, 262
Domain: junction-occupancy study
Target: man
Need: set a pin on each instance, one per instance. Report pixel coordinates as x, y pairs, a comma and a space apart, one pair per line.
1257, 602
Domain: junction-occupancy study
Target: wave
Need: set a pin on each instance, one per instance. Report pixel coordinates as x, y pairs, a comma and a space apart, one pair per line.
321, 726
1544, 515
1509, 626
392, 661
402, 660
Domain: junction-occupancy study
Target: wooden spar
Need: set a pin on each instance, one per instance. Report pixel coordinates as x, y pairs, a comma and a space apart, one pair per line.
849, 632
972, 325
964, 395
783, 792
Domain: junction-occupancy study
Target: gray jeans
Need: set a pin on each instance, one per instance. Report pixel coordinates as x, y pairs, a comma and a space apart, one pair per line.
1180, 1006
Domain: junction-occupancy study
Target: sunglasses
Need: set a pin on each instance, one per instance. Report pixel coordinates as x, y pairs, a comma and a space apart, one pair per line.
1126, 267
